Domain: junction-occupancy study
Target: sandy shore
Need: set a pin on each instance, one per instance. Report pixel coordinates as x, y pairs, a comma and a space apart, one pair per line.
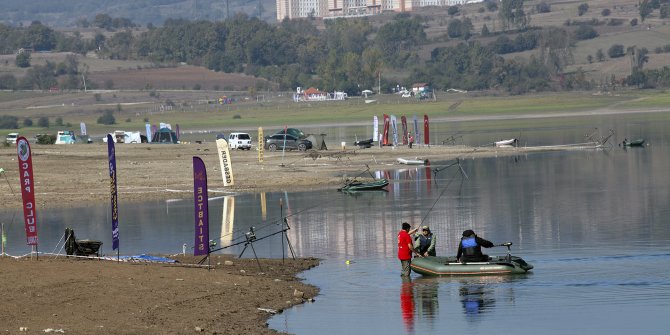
75, 175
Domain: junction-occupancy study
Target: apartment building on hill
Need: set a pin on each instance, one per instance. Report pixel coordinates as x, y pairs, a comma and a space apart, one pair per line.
294, 9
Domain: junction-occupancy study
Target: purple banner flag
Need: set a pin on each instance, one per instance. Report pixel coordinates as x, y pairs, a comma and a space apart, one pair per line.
201, 246
113, 191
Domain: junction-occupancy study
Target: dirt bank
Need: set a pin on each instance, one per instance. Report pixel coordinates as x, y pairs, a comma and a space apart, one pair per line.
106, 297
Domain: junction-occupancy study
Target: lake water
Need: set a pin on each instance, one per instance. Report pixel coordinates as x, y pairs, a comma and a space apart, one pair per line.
594, 223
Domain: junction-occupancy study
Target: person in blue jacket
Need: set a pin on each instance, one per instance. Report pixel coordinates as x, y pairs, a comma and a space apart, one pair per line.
470, 248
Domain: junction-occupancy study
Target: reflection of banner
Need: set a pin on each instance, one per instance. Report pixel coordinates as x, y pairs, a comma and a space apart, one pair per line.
27, 189
113, 191
226, 164
201, 246
394, 128
403, 121
148, 128
264, 211
426, 130
227, 220
416, 130
375, 128
261, 144
385, 138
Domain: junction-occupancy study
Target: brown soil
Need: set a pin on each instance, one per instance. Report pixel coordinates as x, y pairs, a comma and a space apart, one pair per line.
106, 297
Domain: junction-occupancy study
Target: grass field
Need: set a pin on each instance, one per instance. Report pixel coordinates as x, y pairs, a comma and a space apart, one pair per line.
192, 114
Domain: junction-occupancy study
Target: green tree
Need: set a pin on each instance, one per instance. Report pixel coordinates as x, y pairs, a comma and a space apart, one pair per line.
615, 51
22, 59
555, 49
512, 15
646, 8
39, 37
107, 118
582, 9
43, 122
27, 122
600, 55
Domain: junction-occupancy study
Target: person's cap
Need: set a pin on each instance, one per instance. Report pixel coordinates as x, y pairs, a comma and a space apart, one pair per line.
425, 228
468, 232
406, 225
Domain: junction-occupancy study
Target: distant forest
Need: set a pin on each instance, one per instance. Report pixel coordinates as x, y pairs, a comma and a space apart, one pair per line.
349, 55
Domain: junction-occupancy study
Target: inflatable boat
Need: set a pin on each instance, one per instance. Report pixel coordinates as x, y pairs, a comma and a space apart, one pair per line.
448, 266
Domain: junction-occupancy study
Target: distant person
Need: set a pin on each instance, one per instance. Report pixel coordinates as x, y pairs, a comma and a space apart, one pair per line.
406, 248
424, 242
411, 140
470, 248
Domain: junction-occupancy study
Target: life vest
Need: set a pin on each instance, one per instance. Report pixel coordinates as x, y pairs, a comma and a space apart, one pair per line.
424, 243
470, 247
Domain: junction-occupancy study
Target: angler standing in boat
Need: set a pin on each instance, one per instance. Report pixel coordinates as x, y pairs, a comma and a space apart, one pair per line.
470, 248
406, 248
424, 242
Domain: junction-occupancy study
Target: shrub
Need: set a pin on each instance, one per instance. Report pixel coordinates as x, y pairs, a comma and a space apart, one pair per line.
59, 121
237, 116
616, 51
633, 22
27, 122
22, 60
606, 12
46, 139
582, 9
543, 7
43, 122
585, 32
9, 122
107, 118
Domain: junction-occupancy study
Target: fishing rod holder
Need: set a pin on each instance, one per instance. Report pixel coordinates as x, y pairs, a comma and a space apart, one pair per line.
509, 250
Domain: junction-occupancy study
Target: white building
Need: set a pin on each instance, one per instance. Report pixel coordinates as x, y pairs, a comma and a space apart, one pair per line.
351, 8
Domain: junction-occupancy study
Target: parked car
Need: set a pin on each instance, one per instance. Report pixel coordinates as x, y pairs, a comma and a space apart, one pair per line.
239, 141
276, 142
11, 138
292, 131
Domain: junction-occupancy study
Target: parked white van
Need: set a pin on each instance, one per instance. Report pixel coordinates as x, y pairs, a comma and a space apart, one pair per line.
239, 141
11, 138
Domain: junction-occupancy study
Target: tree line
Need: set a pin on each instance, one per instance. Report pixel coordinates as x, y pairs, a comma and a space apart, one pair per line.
349, 55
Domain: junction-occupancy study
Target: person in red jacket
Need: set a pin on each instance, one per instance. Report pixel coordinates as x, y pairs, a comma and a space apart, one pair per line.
406, 248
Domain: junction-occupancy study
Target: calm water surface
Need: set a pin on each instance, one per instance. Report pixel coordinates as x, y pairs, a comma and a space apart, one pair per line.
594, 223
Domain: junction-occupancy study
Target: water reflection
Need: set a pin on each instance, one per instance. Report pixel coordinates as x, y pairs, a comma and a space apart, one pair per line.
476, 298
407, 304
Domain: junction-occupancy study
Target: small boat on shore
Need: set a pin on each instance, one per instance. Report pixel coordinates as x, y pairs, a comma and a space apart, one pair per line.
634, 143
448, 266
505, 143
354, 186
415, 161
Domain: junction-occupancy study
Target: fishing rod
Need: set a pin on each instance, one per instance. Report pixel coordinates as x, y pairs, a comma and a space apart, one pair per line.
445, 188
444, 167
266, 225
